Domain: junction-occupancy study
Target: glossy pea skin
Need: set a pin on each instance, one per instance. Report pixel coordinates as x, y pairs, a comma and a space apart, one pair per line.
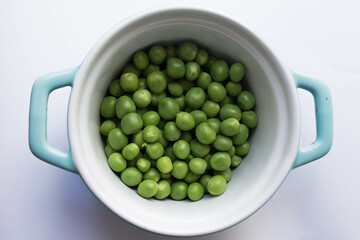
155, 150
186, 136
230, 127
106, 127
163, 190
170, 52
219, 70
191, 177
156, 98
195, 191
178, 190
185, 121
195, 97
131, 176
230, 111
164, 164
233, 89
152, 174
205, 134
246, 100
197, 165
236, 72
162, 140
142, 98
180, 101
131, 123
199, 149
210, 108
130, 151
143, 164
117, 162
214, 123
147, 188
227, 174
124, 105
216, 92
168, 108
157, 54
130, 68
216, 185
204, 181
202, 57
241, 136
117, 139
151, 133
235, 161
129, 82
249, 118
108, 107
115, 88
151, 118
175, 68
220, 161
141, 60
170, 153
199, 117
187, 51
156, 82
180, 169
181, 149
222, 143
109, 150
203, 80
150, 69
171, 131
242, 149
192, 71
175, 89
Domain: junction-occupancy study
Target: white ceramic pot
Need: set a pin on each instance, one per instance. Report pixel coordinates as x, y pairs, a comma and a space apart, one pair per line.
274, 143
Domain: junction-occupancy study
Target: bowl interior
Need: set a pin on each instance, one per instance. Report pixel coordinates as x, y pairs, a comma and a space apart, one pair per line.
273, 144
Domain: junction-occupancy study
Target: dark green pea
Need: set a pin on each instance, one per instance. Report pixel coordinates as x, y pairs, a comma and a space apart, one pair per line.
143, 164
203, 80
130, 68
222, 143
165, 176
205, 134
210, 62
155, 150
178, 190
138, 139
235, 161
150, 69
141, 60
227, 100
164, 164
230, 127
151, 133
230, 111
131, 123
109, 150
129, 82
157, 54
106, 127
219, 70
117, 139
151, 118
197, 165
180, 169
220, 161
181, 101
168, 108
227, 174
195, 97
188, 109
170, 50
161, 124
170, 153
249, 118
171, 131
204, 181
131, 176
231, 151
175, 68
191, 177
115, 88
195, 191
142, 98
117, 162
108, 107
202, 57
216, 92
162, 140
142, 83
214, 124
192, 71
163, 190
156, 98
147, 188
181, 149
152, 174
199, 117
233, 89
185, 121
187, 51
187, 85
242, 149
130, 151
175, 89
216, 185
210, 108
246, 100
131, 163
124, 105
199, 149
186, 136
241, 136
236, 72
156, 82
207, 160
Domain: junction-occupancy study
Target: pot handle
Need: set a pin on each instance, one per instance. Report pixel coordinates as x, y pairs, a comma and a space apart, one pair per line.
38, 143
324, 120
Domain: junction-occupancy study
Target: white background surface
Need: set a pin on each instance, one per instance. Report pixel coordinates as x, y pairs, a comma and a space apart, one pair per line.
319, 38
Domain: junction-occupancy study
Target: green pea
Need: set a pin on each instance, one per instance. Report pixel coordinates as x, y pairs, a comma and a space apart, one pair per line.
180, 169
207, 160
117, 162
241, 136
205, 134
171, 131
156, 82
130, 151
222, 143
227, 100
155, 150
188, 109
151, 133
151, 118
178, 190
230, 111
138, 139
108, 107
163, 190
219, 70
131, 176
106, 127
230, 127
117, 139
185, 121
162, 140
170, 153
187, 85
199, 149
161, 124
235, 161
156, 98
109, 150
170, 52
192, 71
142, 98
199, 117
204, 181
152, 174
175, 68
150, 69
175, 89
246, 100
157, 54
195, 97
143, 164
216, 92
191, 177
181, 149
231, 151
242, 149
227, 174
165, 176
147, 188
210, 62
115, 88
203, 80
142, 83
214, 124
195, 191
164, 164
186, 136
202, 57
168, 108
220, 161
187, 51
249, 118
210, 108
180, 101
124, 105
130, 68
131, 123
216, 185
141, 60
236, 72
129, 82
233, 89
197, 165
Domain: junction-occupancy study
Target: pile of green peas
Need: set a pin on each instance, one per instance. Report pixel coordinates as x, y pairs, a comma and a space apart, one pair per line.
176, 122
